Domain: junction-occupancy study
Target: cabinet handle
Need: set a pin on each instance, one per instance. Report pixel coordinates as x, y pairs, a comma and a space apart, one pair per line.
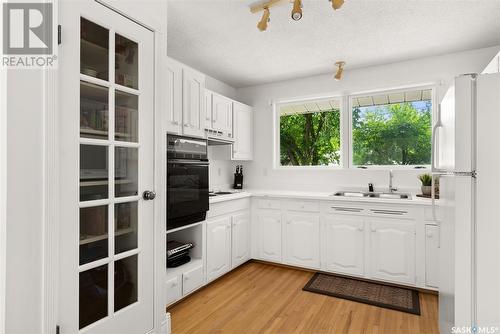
374, 230
429, 235
174, 285
186, 278
389, 212
337, 208
186, 124
175, 123
361, 229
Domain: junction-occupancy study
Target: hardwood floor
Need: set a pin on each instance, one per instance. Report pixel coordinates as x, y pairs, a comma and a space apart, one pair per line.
262, 298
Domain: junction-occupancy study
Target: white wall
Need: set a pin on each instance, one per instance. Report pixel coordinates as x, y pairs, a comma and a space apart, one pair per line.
260, 173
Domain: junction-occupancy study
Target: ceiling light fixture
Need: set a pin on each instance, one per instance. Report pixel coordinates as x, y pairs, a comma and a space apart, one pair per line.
340, 70
262, 25
297, 10
336, 4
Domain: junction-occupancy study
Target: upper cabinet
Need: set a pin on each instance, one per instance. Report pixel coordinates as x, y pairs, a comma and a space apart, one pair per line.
242, 132
195, 111
174, 96
193, 99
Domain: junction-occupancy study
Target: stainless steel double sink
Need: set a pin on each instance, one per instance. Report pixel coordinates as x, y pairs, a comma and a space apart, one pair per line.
372, 195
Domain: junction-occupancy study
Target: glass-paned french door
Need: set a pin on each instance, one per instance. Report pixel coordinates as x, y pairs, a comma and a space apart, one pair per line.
106, 107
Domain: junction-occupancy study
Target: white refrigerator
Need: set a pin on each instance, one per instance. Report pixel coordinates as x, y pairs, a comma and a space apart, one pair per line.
466, 158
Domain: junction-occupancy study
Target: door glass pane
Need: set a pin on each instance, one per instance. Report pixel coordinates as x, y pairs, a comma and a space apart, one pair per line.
126, 62
93, 111
93, 299
93, 233
126, 116
125, 226
94, 50
125, 171
125, 282
93, 172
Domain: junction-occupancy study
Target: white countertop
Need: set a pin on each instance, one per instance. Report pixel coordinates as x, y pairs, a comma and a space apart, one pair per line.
317, 196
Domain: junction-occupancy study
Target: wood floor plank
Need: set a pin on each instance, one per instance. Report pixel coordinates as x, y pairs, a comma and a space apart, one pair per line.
262, 298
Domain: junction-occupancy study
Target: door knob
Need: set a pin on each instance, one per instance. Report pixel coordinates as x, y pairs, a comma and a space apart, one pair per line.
149, 195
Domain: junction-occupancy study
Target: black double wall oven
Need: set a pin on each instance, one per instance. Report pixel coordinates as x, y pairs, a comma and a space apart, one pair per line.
187, 181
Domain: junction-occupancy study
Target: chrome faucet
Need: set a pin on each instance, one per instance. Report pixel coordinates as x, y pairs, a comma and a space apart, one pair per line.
391, 176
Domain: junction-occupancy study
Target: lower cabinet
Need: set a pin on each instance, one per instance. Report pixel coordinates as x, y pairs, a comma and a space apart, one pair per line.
192, 280
269, 235
218, 247
301, 237
432, 256
183, 283
240, 239
344, 244
174, 289
392, 251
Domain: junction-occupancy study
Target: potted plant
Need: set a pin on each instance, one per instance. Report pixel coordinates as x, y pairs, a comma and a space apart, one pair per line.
426, 180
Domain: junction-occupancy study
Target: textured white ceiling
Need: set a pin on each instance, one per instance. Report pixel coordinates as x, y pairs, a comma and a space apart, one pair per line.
220, 38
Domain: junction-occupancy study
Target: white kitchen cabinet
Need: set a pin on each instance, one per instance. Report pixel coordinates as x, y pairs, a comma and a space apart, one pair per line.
174, 289
193, 109
240, 233
192, 280
392, 251
432, 255
208, 109
301, 238
222, 115
242, 132
173, 77
269, 235
218, 247
344, 244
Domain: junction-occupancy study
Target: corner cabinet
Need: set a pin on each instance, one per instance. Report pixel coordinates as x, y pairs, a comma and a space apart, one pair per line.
242, 132
193, 103
393, 250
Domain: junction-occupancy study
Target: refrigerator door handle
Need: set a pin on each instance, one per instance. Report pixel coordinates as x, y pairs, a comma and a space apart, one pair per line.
435, 128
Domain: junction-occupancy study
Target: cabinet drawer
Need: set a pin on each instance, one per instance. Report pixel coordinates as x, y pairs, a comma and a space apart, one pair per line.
307, 206
269, 204
429, 216
191, 280
174, 289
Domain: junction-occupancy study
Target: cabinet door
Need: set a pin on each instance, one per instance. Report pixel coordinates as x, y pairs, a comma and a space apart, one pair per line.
431, 255
240, 239
243, 132
344, 240
301, 237
173, 77
222, 114
193, 109
393, 250
173, 289
208, 109
218, 247
269, 235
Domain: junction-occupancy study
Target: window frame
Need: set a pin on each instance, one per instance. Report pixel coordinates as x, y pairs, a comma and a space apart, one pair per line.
276, 131
346, 133
426, 167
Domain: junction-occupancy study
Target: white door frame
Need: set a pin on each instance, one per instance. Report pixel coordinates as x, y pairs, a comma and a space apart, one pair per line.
51, 221
3, 193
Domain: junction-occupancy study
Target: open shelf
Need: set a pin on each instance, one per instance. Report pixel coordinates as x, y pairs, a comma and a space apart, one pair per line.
184, 227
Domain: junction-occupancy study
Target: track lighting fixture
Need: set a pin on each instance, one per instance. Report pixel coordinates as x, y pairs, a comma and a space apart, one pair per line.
336, 4
264, 6
340, 70
297, 10
262, 25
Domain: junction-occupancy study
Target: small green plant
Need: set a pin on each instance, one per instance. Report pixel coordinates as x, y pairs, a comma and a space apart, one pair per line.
426, 179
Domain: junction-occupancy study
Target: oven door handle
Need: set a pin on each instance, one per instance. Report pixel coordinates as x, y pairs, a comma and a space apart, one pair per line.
188, 162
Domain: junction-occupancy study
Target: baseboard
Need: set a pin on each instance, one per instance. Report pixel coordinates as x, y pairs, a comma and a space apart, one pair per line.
423, 290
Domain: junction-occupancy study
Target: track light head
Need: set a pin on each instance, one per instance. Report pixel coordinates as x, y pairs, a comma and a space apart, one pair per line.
297, 10
262, 25
340, 70
336, 4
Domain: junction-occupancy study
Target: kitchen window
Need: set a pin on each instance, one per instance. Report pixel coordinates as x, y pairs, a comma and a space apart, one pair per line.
392, 128
309, 133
